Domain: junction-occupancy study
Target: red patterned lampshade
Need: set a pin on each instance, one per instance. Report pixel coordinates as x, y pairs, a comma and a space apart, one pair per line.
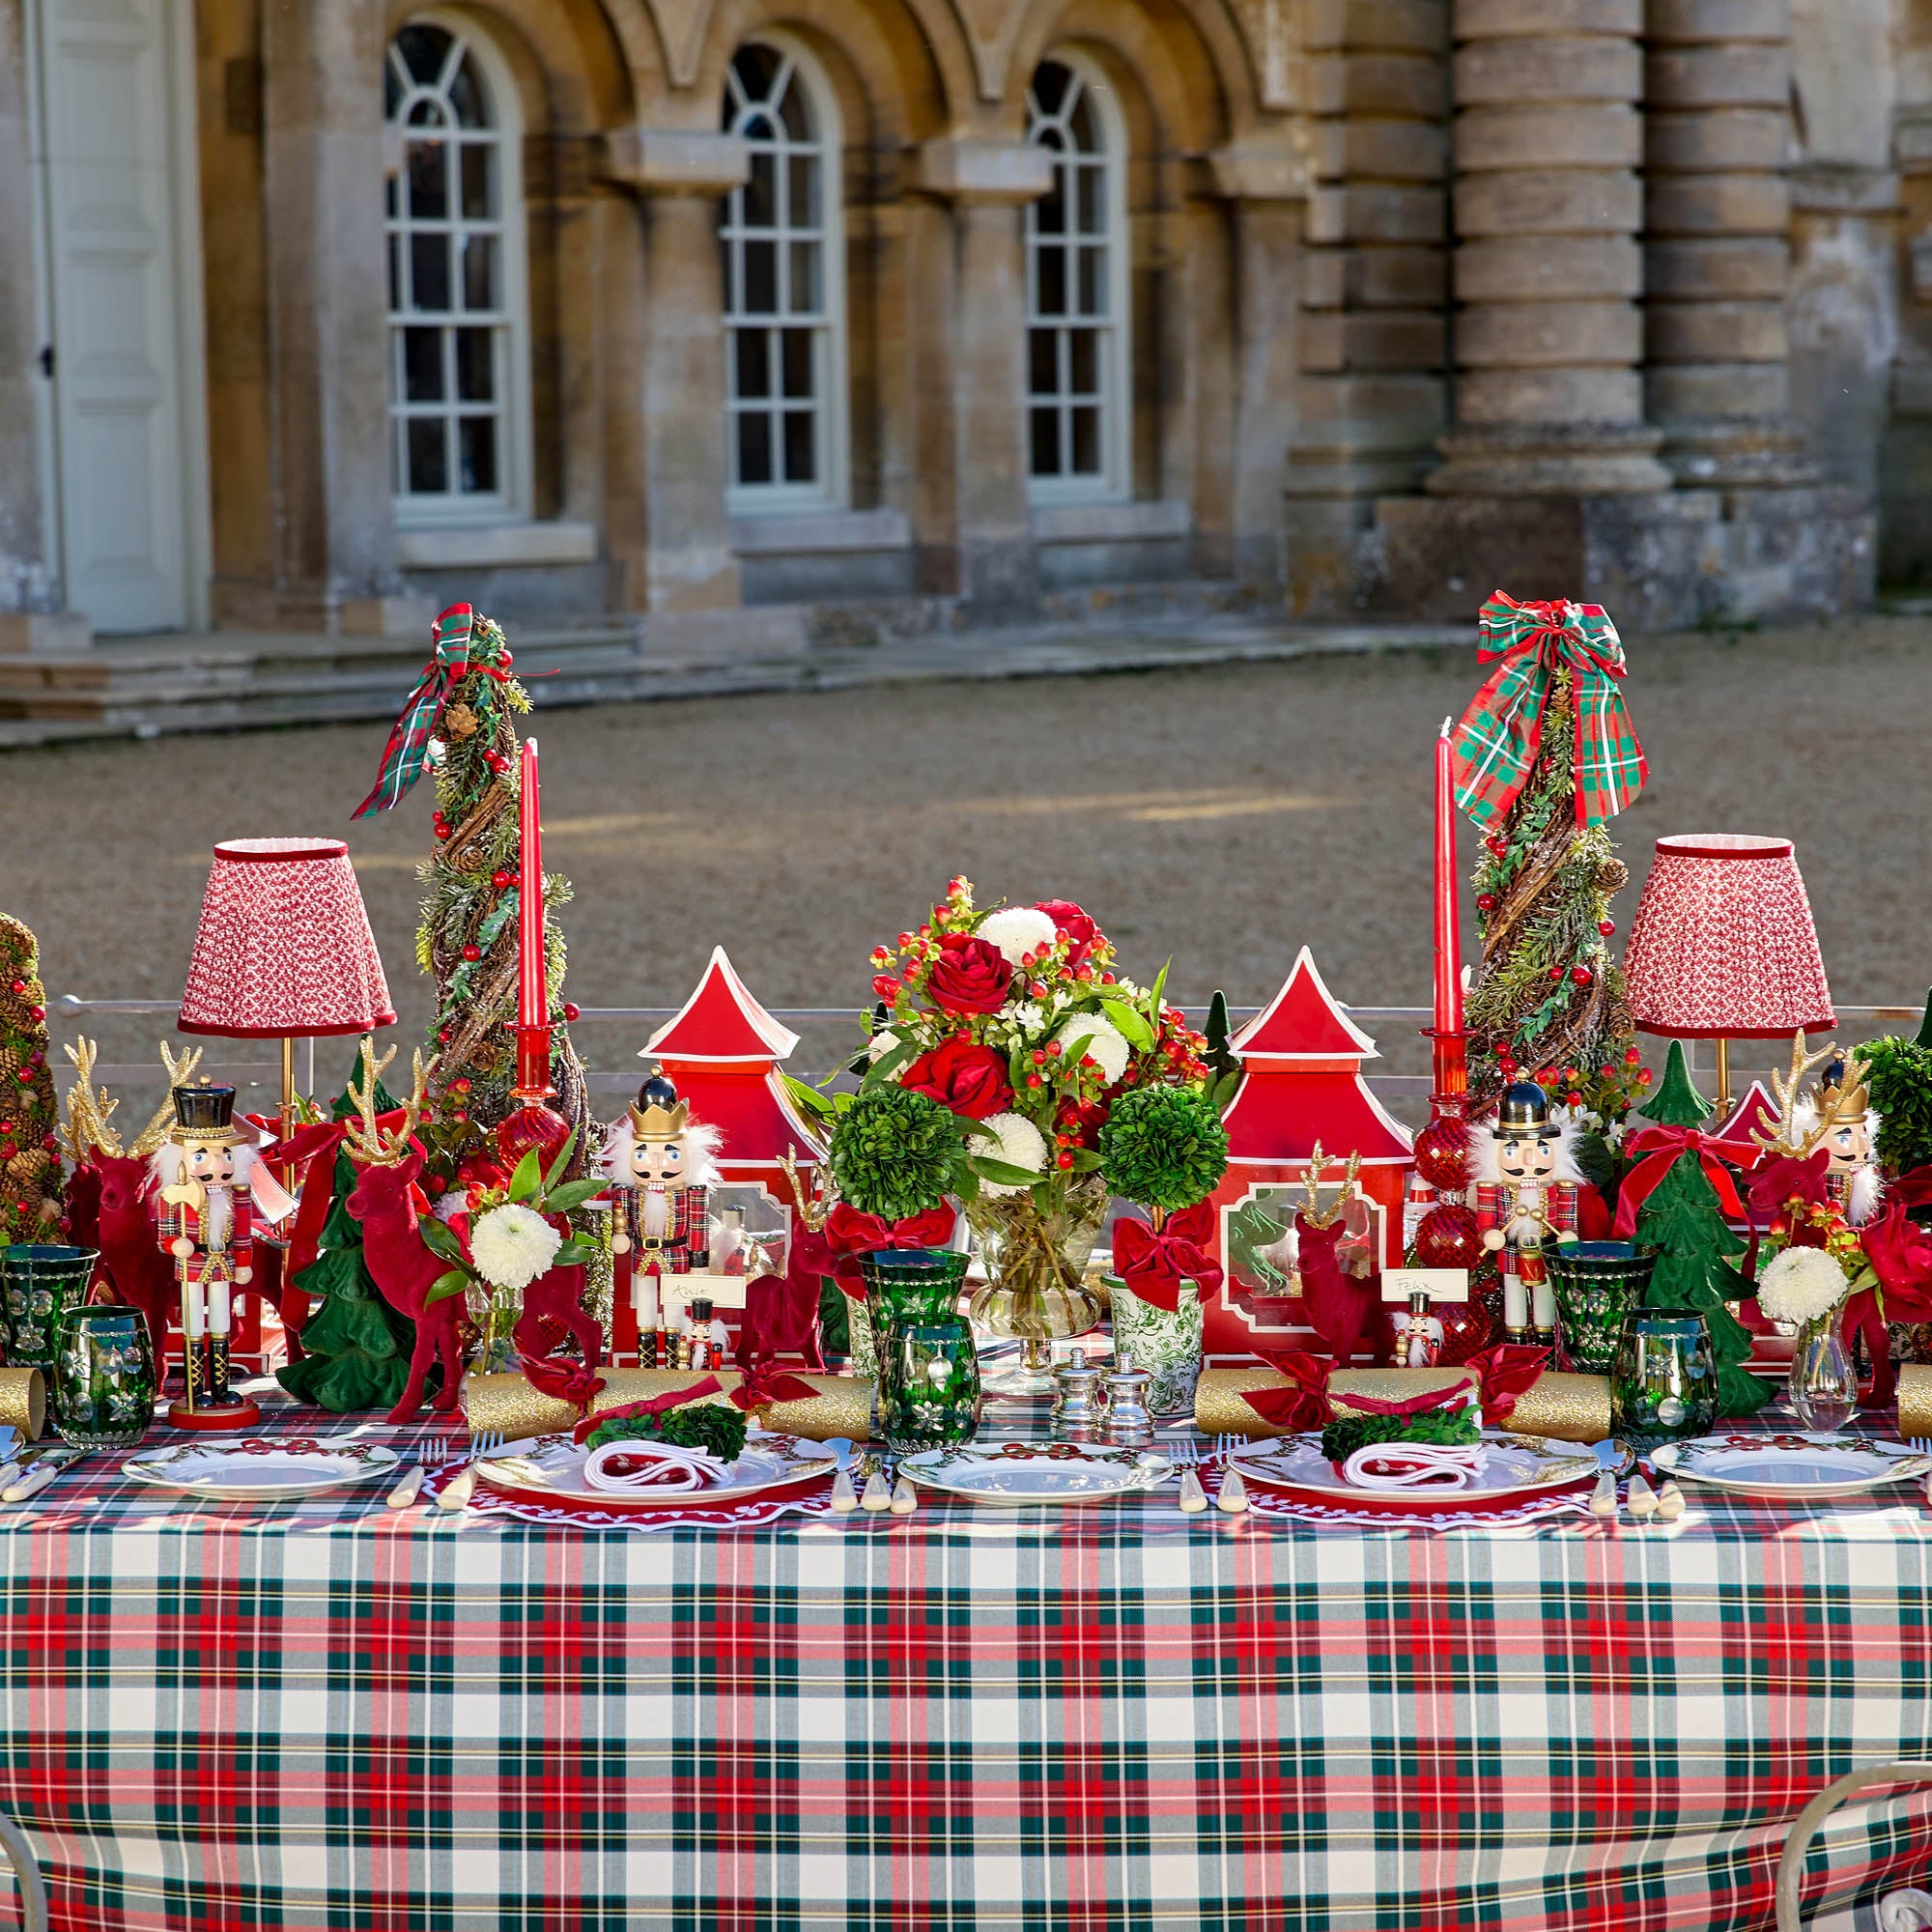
1723, 945
284, 947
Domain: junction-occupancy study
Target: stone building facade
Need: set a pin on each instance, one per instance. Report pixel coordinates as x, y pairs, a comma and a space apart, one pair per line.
318, 312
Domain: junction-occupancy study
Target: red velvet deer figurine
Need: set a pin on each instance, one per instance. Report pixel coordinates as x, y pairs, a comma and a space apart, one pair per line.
388, 1204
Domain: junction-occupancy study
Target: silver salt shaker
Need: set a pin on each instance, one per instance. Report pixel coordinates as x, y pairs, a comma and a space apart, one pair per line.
1078, 1406
1128, 1425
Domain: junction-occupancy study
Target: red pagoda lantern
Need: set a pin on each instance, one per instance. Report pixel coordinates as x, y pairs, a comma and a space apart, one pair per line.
1301, 1083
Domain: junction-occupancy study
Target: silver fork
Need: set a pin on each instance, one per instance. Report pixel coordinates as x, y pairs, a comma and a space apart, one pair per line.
432, 1453
455, 1494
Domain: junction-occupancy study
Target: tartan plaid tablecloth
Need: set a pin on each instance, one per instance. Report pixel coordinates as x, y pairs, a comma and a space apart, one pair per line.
322, 1715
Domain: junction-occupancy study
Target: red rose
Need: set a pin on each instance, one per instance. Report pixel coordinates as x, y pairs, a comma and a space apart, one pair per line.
970, 975
969, 1079
1069, 918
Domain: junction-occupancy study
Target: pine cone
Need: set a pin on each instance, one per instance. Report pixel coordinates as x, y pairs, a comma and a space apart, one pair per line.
460, 721
50, 1209
27, 1163
10, 1065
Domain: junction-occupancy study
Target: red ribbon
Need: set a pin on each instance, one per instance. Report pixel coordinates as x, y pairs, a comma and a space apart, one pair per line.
1503, 1374
1153, 1262
564, 1382
849, 1234
761, 1388
766, 1384
650, 1404
1304, 1404
1659, 1149
1455, 1395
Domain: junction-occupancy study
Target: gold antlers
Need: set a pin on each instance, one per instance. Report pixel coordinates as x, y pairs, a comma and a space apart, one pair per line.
89, 1109
1311, 1183
810, 1213
1833, 1102
368, 1145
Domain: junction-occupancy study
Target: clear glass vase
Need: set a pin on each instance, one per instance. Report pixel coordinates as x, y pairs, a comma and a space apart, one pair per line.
1822, 1388
494, 1311
1035, 1260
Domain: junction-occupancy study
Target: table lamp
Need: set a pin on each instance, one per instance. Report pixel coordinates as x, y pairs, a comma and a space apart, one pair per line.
1723, 945
284, 950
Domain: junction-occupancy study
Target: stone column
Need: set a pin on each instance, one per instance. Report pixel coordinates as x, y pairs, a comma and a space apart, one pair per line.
328, 389
1548, 339
681, 174
977, 425
1717, 253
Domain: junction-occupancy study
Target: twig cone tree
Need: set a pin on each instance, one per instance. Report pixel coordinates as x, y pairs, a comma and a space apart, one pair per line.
30, 1168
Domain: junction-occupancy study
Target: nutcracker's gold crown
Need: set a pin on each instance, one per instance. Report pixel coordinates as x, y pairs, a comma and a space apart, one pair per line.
661, 1123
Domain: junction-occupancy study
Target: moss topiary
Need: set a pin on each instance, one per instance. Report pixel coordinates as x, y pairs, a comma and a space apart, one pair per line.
893, 1153
1164, 1146
1899, 1075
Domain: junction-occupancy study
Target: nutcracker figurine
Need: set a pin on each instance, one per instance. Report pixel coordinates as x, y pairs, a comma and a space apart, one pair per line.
663, 1165
1526, 1182
1841, 1119
213, 1186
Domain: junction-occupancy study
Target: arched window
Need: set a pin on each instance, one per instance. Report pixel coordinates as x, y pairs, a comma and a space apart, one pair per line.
784, 278
1076, 289
458, 352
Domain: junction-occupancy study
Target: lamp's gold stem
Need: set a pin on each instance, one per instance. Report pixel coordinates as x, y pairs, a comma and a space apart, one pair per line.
1723, 1081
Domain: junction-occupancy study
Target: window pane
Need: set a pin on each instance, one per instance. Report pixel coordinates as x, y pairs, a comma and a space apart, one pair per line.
395, 273
756, 68
1046, 441
1049, 211
424, 49
755, 448
392, 202
1084, 125
1050, 86
805, 293
728, 250
796, 360
1043, 361
796, 110
801, 445
422, 365
752, 363
478, 437
428, 114
1050, 281
429, 461
469, 95
802, 207
1086, 442
429, 180
761, 205
1092, 281
429, 272
1084, 362
477, 365
392, 90
479, 271
762, 278
479, 181
1092, 200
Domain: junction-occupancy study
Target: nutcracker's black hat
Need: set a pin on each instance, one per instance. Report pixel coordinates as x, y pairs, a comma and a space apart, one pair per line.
1525, 1108
206, 1113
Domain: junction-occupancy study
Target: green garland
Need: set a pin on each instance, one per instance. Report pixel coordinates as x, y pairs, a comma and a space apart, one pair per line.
709, 1425
1447, 1428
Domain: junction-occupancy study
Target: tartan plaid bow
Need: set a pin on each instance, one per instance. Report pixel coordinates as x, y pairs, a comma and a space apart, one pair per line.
403, 755
1494, 748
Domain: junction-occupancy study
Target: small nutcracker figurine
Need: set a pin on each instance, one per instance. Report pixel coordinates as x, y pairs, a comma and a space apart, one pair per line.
663, 1165
213, 1187
1841, 1119
1526, 1182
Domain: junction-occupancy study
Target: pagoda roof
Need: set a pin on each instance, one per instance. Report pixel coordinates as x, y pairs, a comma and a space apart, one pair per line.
1303, 1022
1279, 1114
1755, 1108
720, 1022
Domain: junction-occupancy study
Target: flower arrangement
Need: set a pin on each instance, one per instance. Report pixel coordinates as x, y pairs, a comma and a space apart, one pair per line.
1802, 1285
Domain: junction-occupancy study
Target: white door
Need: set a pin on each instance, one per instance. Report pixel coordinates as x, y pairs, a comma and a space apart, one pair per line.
112, 149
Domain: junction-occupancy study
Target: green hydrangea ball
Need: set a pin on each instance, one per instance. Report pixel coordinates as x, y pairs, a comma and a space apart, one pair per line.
893, 1154
1164, 1146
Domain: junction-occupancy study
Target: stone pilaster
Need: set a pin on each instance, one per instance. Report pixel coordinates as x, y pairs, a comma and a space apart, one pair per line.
688, 564
1717, 253
972, 526
1548, 338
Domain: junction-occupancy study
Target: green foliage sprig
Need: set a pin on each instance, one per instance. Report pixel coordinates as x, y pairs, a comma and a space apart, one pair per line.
895, 1152
710, 1426
1446, 1428
1164, 1146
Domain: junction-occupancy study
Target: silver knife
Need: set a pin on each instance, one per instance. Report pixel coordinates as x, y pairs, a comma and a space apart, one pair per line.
46, 1467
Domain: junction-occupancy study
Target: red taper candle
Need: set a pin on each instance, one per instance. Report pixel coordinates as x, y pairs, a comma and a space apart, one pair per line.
1451, 1054
533, 987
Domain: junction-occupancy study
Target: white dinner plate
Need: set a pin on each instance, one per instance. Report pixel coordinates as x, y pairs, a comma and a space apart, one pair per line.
1792, 1466
551, 1467
258, 1468
1022, 1475
1517, 1465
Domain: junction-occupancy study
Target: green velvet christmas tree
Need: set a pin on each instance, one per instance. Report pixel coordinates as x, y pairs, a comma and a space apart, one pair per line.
1683, 1223
355, 1347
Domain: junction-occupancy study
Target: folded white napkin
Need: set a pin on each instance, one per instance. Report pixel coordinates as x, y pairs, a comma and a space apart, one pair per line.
655, 1467
1415, 1465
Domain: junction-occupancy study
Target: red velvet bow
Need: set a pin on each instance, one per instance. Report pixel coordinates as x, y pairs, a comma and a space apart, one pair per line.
1304, 1404
849, 1234
562, 1380
1659, 1149
766, 1384
1453, 1396
1153, 1262
1504, 1373
650, 1404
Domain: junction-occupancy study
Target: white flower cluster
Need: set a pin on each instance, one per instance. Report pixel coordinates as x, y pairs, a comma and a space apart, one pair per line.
1799, 1285
1016, 932
512, 1245
1021, 1145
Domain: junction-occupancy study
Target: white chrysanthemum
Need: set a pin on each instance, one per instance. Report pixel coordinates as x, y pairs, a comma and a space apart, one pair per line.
447, 1206
1105, 1043
512, 1245
1017, 930
883, 1042
1799, 1285
1021, 1145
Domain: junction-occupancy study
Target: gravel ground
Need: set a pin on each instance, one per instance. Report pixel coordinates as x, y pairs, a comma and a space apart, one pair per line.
1221, 817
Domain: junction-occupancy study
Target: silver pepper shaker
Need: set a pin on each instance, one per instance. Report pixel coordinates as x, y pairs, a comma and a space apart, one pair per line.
1128, 1425
1078, 1406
